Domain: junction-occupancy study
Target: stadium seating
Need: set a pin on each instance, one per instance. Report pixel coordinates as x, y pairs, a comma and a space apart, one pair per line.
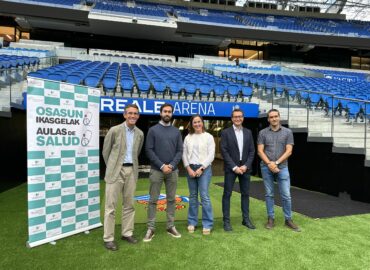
26, 52
115, 79
64, 3
211, 17
309, 25
122, 8
340, 92
12, 61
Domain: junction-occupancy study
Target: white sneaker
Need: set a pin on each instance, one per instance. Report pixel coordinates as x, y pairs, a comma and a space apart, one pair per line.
148, 236
191, 228
206, 231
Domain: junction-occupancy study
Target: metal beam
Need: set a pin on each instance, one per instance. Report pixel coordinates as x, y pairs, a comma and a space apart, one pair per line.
336, 7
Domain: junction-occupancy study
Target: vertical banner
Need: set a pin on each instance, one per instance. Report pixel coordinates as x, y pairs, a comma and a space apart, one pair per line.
63, 160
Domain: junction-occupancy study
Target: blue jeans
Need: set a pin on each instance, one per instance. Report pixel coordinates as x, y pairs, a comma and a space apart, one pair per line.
283, 180
200, 184
244, 182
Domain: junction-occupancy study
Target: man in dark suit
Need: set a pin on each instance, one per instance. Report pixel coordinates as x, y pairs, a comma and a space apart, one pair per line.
237, 149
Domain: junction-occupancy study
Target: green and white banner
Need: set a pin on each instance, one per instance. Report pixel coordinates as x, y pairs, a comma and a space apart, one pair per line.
63, 160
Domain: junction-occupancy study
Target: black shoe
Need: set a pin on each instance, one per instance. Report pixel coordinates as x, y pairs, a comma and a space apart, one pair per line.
129, 239
111, 246
247, 223
227, 227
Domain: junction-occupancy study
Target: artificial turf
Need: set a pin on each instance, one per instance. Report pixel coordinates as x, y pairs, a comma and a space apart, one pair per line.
335, 243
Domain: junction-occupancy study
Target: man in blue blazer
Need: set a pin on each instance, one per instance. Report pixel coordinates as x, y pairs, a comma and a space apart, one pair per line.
237, 149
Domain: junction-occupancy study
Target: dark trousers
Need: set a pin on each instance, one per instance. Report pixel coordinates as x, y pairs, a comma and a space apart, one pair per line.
244, 181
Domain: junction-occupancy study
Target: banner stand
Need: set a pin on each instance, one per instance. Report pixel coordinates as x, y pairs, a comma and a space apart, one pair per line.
63, 170
51, 239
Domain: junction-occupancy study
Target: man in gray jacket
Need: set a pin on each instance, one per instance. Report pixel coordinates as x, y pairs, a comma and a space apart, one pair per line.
164, 150
122, 146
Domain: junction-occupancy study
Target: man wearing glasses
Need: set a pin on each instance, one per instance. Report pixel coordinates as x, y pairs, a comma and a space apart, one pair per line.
122, 146
237, 149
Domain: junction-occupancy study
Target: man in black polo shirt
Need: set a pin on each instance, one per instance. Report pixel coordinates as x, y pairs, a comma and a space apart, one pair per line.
275, 145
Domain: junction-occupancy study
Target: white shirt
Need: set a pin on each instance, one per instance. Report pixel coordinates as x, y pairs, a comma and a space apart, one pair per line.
199, 149
239, 138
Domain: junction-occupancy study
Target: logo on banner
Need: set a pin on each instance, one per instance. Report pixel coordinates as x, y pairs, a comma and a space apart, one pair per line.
52, 136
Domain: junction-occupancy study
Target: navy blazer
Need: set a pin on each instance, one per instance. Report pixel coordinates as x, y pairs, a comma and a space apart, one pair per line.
230, 149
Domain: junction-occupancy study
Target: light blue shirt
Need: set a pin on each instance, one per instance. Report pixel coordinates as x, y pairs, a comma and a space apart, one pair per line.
129, 143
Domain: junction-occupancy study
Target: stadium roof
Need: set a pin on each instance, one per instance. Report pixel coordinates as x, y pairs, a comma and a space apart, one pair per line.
353, 9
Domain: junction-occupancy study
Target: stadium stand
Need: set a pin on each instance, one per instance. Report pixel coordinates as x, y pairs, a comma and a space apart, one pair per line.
142, 11
111, 55
59, 3
15, 64
163, 12
114, 79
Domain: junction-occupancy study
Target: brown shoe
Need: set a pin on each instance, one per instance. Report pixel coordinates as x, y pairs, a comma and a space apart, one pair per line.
270, 223
111, 246
129, 239
289, 223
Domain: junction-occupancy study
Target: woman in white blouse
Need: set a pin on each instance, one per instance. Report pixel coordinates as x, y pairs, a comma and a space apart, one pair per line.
199, 152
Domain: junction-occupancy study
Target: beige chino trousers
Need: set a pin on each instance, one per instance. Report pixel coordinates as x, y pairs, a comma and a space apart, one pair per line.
125, 185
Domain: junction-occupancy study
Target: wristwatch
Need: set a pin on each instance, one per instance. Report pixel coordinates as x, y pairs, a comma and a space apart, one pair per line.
277, 162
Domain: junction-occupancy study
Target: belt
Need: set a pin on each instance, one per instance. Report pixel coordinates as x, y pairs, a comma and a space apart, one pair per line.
127, 164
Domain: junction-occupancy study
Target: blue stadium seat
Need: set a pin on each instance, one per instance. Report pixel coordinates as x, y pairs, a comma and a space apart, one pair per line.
219, 89
353, 110
127, 84
314, 100
159, 85
110, 83
175, 88
190, 88
205, 89
143, 85
92, 80
233, 90
247, 92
